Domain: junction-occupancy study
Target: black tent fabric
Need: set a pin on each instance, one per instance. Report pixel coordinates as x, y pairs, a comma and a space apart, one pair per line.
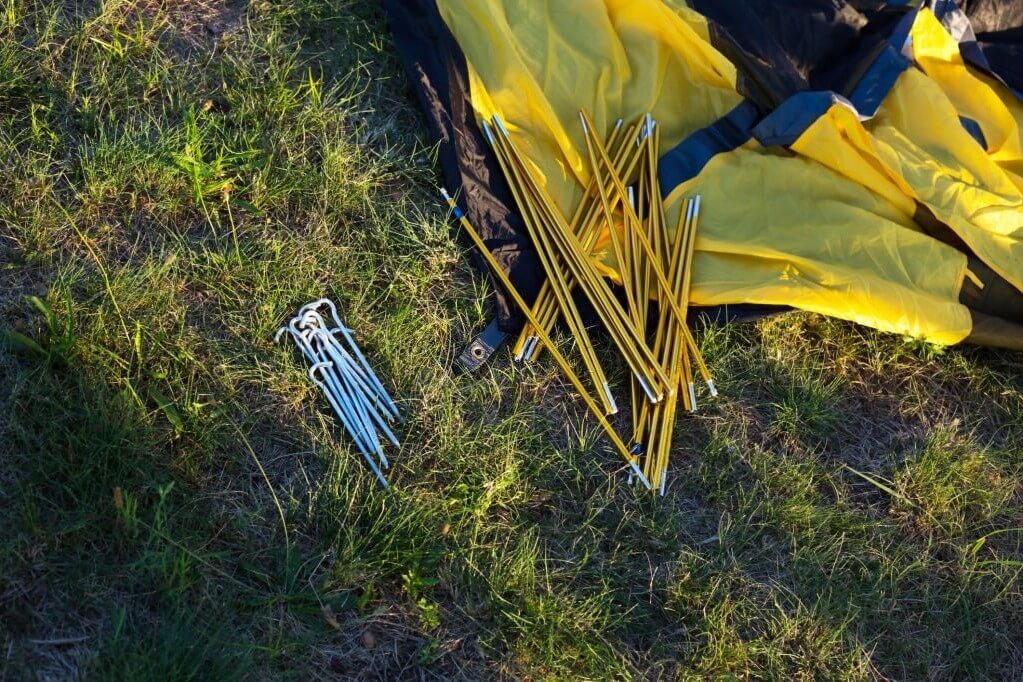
782, 48
988, 16
437, 72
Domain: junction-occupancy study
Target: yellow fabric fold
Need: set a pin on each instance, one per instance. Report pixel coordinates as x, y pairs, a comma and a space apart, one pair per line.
976, 96
537, 63
783, 230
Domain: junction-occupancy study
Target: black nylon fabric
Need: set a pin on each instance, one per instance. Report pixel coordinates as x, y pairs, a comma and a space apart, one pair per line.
436, 70
992, 16
1004, 52
783, 47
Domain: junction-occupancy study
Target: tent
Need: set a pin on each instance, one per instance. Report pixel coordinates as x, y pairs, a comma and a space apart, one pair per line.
858, 159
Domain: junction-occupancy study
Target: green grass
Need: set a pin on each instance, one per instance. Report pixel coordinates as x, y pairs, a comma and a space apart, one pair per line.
178, 502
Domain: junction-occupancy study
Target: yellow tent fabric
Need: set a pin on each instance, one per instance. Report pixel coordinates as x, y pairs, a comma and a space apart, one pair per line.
979, 97
784, 231
829, 228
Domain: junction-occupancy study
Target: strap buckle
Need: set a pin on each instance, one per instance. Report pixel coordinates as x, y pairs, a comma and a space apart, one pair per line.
481, 348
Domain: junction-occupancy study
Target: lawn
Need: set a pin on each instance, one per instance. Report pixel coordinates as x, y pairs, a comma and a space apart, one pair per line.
178, 502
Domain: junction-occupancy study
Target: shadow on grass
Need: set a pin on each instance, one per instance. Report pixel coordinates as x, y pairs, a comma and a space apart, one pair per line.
89, 509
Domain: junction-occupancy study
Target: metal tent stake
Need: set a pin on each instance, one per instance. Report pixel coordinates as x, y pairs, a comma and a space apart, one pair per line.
354, 391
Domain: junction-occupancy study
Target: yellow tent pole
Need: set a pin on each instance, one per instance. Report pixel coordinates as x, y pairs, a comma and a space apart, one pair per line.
667, 346
619, 186
652, 205
569, 251
683, 237
580, 226
542, 307
643, 413
495, 268
626, 159
685, 299
632, 345
549, 260
589, 230
674, 349
585, 205
661, 278
633, 348
616, 245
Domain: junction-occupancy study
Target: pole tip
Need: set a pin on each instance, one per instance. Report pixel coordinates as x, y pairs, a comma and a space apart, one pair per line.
611, 400
486, 130
639, 475
500, 125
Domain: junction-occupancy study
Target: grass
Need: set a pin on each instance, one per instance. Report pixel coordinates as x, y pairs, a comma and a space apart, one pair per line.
180, 177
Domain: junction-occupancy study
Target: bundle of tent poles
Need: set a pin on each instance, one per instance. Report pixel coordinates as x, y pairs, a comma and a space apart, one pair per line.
623, 199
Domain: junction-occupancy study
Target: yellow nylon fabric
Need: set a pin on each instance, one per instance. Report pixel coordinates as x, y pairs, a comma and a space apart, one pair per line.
784, 230
829, 229
916, 147
973, 95
918, 137
537, 63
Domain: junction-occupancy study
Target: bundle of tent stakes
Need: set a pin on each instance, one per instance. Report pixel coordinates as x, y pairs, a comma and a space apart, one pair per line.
624, 201
338, 366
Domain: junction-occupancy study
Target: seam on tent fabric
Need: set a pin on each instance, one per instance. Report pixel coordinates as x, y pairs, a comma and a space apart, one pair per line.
787, 123
880, 78
685, 161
